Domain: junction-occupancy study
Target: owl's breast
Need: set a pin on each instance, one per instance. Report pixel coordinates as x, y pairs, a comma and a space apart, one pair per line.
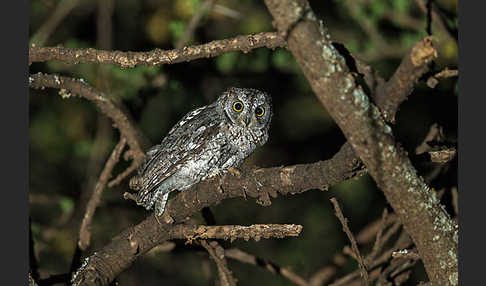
241, 140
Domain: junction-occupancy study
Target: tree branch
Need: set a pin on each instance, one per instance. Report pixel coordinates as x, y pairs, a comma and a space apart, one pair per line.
216, 252
429, 225
232, 232
157, 56
85, 230
359, 258
401, 84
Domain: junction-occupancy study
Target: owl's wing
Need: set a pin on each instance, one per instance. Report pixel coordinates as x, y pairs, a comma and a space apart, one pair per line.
183, 141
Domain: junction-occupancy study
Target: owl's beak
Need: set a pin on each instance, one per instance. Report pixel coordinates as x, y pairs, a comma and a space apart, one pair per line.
247, 120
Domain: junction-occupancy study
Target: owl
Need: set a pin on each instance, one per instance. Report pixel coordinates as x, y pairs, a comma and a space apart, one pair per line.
204, 143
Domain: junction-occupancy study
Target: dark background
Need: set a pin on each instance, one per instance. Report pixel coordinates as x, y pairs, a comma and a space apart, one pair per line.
69, 139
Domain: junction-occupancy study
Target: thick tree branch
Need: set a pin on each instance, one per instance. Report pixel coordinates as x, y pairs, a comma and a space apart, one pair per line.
157, 56
429, 225
105, 264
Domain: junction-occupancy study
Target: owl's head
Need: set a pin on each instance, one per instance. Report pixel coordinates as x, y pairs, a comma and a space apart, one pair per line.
247, 107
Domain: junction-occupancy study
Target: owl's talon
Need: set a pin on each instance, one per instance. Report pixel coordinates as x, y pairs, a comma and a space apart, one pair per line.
157, 218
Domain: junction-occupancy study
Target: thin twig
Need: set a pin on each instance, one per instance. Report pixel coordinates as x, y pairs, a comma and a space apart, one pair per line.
442, 156
405, 253
402, 242
232, 232
242, 256
446, 73
368, 233
378, 244
157, 57
216, 252
343, 220
85, 230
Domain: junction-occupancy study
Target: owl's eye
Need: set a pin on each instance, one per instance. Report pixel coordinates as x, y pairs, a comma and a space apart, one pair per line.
259, 111
238, 106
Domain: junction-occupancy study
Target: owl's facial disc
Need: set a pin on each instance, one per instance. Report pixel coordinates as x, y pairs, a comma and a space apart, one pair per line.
245, 107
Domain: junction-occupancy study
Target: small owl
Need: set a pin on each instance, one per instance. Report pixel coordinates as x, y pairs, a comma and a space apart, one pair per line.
204, 143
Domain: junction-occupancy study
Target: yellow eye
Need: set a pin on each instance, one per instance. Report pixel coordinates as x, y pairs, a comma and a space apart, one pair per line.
238, 106
259, 111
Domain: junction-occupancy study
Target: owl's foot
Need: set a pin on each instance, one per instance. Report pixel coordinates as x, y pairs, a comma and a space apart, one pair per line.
234, 172
157, 218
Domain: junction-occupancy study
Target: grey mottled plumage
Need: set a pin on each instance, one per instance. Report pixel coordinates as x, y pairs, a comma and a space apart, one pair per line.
204, 143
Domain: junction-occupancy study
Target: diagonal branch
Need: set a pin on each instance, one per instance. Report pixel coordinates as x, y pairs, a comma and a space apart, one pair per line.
216, 252
157, 56
85, 230
429, 225
400, 85
357, 254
